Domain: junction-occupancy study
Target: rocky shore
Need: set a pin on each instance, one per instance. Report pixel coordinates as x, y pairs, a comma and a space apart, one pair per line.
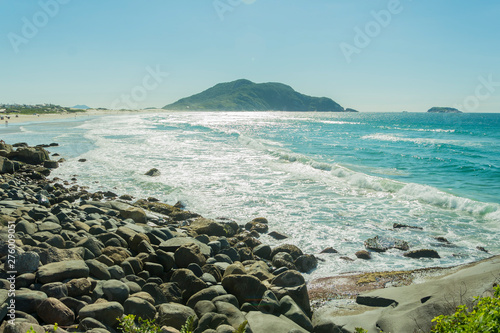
81, 260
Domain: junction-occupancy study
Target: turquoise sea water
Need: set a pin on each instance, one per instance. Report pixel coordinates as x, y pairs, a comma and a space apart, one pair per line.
325, 179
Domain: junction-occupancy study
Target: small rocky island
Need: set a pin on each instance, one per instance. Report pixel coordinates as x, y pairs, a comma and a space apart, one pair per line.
438, 109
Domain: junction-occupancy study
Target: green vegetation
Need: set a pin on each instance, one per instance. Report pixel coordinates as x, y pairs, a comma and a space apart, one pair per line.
31, 330
437, 109
484, 317
244, 95
35, 109
188, 327
128, 325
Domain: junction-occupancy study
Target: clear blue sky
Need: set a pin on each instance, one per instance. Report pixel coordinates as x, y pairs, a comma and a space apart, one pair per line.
425, 53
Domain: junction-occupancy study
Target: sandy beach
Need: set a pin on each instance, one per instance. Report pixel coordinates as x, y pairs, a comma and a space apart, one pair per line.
22, 118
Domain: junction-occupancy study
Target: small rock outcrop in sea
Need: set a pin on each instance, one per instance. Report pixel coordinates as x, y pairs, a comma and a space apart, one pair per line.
438, 109
85, 259
153, 172
382, 244
423, 253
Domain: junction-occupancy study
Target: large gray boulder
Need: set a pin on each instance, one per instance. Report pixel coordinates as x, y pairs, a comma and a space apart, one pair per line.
139, 307
27, 262
105, 312
382, 244
28, 300
246, 288
173, 314
115, 290
260, 322
53, 311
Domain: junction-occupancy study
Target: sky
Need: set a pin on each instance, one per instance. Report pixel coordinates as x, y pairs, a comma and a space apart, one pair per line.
370, 55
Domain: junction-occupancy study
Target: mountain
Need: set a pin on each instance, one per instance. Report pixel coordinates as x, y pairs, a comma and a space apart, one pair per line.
244, 95
81, 107
438, 109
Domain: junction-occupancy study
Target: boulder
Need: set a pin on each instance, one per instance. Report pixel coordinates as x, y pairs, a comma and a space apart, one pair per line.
92, 244
262, 322
246, 288
278, 235
203, 307
55, 289
363, 254
28, 300
382, 244
260, 270
139, 307
23, 327
206, 294
105, 312
30, 155
283, 259
269, 303
174, 315
27, 262
164, 293
60, 271
210, 321
171, 245
187, 254
424, 253
53, 311
49, 164
292, 311
115, 290
234, 316
236, 268
89, 323
306, 263
134, 213
153, 172
293, 250
263, 251
189, 283
98, 269
6, 165
78, 287
203, 226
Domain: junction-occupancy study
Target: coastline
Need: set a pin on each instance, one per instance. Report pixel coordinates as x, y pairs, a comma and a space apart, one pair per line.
82, 260
380, 281
23, 118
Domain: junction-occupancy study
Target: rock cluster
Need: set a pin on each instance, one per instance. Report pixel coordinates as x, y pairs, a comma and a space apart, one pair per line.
85, 259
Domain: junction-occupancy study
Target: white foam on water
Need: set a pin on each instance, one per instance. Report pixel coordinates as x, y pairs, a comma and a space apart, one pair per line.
219, 169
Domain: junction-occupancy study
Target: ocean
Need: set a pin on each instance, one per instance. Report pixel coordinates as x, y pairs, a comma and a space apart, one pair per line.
324, 179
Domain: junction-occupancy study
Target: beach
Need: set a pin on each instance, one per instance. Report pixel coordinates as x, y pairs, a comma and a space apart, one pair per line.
84, 258
81, 260
23, 118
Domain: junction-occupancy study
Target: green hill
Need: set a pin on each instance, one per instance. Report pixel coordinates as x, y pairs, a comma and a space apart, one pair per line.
244, 95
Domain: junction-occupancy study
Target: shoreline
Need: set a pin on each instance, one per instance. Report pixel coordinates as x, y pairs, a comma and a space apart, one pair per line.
22, 118
353, 288
83, 256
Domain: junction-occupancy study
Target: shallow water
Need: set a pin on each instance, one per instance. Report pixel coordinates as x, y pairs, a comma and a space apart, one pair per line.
325, 179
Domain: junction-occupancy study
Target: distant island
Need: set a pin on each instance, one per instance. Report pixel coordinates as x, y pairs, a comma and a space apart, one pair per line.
81, 107
437, 109
245, 95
